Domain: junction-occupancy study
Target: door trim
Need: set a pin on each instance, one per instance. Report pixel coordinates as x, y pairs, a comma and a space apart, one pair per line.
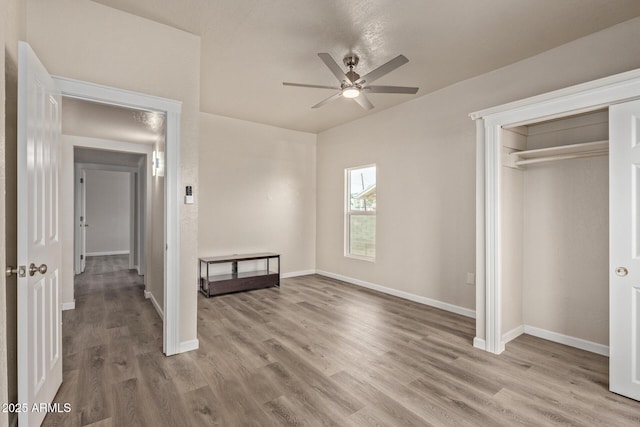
172, 109
577, 99
143, 188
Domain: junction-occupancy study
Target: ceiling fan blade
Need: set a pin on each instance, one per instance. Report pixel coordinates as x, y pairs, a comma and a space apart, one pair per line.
391, 89
329, 99
383, 69
312, 86
363, 101
334, 67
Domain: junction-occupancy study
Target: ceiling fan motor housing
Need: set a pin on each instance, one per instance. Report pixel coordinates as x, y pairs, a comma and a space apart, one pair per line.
351, 60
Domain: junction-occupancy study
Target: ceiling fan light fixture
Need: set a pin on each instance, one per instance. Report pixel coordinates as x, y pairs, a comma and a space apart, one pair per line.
351, 92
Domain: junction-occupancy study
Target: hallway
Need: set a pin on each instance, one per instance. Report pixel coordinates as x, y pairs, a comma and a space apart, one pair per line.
112, 327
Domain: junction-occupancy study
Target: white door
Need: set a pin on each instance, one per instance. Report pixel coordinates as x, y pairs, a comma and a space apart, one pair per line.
83, 220
624, 286
39, 312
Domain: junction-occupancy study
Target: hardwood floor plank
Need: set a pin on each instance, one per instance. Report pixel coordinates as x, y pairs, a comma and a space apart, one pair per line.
307, 400
127, 405
286, 412
380, 407
202, 408
121, 360
184, 374
344, 400
160, 392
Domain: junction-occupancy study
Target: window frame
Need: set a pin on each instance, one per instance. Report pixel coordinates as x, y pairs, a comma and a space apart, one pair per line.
348, 213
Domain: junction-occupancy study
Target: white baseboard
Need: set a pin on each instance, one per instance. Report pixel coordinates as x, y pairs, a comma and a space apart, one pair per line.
189, 345
88, 254
297, 273
479, 343
567, 340
513, 334
69, 305
411, 297
149, 295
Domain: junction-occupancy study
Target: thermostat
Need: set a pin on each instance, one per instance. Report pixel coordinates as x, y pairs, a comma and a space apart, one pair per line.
188, 195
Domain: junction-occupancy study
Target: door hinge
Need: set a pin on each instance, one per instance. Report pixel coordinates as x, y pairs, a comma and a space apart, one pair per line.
81, 257
81, 180
81, 218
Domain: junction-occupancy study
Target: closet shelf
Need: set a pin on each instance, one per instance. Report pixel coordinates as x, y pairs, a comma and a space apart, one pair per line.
563, 152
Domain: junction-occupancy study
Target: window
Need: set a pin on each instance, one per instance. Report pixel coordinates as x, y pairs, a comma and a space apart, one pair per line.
360, 220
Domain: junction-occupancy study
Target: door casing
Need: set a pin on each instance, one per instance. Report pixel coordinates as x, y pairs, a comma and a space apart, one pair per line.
120, 97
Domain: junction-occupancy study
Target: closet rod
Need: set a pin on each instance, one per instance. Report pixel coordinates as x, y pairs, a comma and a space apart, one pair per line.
563, 157
559, 152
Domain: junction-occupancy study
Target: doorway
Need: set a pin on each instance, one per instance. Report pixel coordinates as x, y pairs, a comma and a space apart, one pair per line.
118, 207
168, 208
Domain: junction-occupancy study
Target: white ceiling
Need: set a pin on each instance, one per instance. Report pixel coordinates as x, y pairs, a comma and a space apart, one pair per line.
249, 47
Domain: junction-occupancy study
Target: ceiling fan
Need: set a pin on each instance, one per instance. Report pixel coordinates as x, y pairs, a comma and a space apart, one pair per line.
352, 85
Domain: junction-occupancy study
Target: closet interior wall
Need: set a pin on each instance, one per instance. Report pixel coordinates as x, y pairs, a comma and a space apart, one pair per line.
555, 234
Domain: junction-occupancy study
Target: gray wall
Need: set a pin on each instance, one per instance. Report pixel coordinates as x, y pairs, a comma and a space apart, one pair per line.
108, 200
258, 191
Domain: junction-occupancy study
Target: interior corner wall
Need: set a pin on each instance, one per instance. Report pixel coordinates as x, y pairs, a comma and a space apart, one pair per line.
258, 191
87, 41
425, 152
12, 29
108, 200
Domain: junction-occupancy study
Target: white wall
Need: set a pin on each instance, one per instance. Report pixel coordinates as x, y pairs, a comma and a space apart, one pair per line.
91, 42
425, 152
257, 191
108, 203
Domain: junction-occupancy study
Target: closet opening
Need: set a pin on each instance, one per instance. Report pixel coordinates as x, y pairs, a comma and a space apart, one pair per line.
554, 212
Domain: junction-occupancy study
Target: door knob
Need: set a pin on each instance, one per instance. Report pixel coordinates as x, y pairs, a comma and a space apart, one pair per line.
621, 271
33, 269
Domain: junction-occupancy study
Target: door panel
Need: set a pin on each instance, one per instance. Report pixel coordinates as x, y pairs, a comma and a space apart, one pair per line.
624, 286
39, 311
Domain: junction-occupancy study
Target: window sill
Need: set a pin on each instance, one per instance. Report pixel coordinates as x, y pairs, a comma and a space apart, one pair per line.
361, 258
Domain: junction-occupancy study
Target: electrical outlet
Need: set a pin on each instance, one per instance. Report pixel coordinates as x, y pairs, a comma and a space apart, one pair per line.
471, 279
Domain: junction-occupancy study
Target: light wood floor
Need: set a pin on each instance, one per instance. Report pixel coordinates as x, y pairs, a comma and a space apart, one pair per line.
314, 352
